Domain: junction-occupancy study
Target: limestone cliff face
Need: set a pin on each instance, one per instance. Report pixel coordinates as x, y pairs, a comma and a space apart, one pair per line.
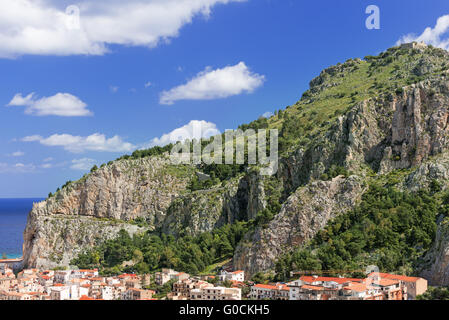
303, 214
85, 213
240, 199
54, 240
395, 131
437, 268
419, 127
98, 206
402, 129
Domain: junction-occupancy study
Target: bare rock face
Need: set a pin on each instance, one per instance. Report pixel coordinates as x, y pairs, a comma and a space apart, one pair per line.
395, 131
420, 126
436, 169
54, 240
94, 209
402, 130
204, 210
305, 212
437, 271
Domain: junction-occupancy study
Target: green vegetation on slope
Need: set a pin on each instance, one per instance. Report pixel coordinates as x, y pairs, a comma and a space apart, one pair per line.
334, 92
149, 252
389, 229
338, 88
435, 293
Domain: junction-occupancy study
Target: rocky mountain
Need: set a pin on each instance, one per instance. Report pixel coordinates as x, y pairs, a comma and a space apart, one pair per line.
359, 121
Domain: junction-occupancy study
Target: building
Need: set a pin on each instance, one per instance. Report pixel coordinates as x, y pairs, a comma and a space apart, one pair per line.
415, 285
276, 291
331, 288
166, 275
238, 275
60, 293
62, 276
414, 45
216, 293
85, 273
182, 289
137, 294
161, 278
14, 264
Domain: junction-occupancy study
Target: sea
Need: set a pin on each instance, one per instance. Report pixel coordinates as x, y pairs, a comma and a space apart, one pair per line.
13, 218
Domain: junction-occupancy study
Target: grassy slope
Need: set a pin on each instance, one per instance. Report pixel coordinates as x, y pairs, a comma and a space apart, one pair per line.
356, 80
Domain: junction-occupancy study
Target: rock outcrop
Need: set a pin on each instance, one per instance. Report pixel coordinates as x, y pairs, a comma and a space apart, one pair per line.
87, 212
395, 131
377, 133
437, 271
203, 210
96, 207
303, 214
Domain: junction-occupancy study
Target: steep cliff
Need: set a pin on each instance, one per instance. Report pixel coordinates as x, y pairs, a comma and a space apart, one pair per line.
87, 212
390, 132
96, 207
303, 214
367, 118
436, 269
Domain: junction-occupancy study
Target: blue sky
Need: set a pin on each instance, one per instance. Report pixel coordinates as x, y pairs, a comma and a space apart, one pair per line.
261, 53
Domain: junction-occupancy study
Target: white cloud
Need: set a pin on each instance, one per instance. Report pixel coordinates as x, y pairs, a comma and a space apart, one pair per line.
48, 159
113, 89
32, 138
82, 164
433, 36
47, 166
195, 129
78, 144
148, 84
17, 168
61, 104
17, 154
267, 114
214, 84
44, 27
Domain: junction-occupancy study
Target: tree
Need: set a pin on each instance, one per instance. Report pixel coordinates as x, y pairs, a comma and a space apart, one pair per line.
259, 277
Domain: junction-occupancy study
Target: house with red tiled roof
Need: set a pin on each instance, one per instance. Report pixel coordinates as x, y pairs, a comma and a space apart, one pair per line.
327, 281
270, 291
414, 285
86, 298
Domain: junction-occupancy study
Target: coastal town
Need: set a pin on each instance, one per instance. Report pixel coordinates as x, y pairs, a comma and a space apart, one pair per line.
168, 284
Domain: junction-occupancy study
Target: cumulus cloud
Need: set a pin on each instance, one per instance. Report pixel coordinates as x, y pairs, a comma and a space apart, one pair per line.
17, 168
195, 129
267, 114
51, 28
17, 154
214, 84
78, 144
82, 164
434, 36
61, 104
